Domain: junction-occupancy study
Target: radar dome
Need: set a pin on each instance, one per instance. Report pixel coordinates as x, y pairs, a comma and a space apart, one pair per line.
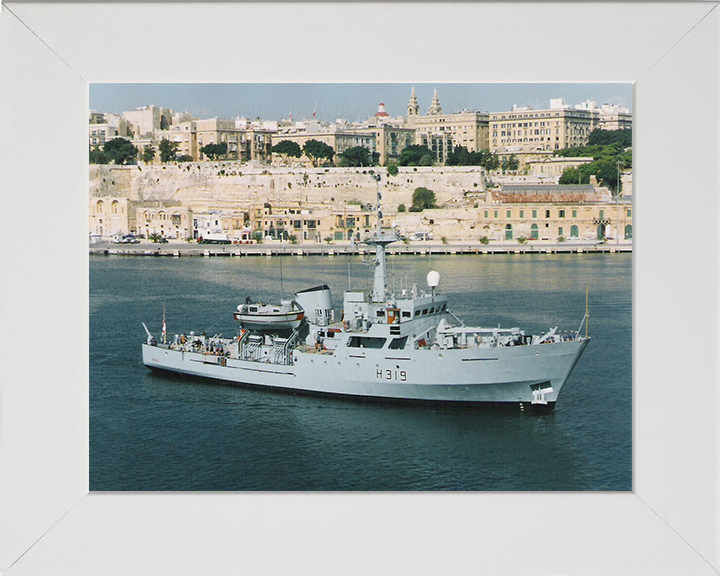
433, 279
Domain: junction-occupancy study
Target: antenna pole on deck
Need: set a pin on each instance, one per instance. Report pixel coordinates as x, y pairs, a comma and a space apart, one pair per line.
393, 275
282, 288
587, 309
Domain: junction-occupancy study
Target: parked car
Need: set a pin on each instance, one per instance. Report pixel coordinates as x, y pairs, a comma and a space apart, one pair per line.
129, 239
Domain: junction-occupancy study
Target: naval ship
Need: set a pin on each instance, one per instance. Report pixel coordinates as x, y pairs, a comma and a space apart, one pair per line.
404, 347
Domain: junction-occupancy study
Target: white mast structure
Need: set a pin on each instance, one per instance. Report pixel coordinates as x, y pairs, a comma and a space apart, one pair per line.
380, 240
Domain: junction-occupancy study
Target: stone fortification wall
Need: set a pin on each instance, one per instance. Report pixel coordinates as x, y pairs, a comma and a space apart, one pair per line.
217, 184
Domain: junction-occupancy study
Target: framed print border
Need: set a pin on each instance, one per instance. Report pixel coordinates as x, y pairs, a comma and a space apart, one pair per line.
669, 524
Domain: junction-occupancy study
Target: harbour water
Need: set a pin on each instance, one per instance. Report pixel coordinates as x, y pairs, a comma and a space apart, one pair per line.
154, 432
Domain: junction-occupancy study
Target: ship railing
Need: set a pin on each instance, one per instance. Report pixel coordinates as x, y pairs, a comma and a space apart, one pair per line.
287, 356
251, 351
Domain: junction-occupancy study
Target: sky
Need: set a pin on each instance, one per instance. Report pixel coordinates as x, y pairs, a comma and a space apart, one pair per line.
348, 101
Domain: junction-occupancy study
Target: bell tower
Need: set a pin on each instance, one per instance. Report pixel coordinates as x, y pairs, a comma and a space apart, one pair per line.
413, 109
435, 109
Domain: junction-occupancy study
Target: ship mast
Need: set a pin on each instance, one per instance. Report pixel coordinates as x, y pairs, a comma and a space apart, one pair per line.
380, 240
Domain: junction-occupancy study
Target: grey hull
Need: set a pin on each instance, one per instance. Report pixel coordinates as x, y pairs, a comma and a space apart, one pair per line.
498, 375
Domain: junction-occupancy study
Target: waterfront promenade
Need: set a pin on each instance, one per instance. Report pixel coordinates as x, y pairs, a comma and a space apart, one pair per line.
184, 249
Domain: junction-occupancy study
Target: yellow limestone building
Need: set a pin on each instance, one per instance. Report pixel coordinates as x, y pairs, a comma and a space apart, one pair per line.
441, 133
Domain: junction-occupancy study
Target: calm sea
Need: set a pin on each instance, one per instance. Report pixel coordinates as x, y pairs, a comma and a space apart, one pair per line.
155, 432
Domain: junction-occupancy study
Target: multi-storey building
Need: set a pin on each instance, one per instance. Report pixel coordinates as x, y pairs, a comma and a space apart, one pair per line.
554, 166
110, 216
390, 141
552, 212
540, 213
96, 117
613, 117
146, 120
443, 132
525, 129
257, 144
219, 131
166, 219
103, 128
184, 135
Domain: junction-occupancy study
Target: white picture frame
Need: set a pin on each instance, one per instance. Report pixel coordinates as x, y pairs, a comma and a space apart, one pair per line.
49, 523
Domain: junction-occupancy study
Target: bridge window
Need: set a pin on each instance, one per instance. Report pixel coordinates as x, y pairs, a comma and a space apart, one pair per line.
366, 342
398, 343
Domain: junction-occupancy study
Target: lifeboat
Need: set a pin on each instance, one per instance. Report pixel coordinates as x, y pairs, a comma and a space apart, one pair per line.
258, 316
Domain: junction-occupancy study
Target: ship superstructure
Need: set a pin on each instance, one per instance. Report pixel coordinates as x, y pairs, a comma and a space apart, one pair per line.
401, 347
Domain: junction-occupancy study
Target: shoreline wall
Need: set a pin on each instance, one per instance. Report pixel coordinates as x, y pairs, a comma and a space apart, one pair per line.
218, 184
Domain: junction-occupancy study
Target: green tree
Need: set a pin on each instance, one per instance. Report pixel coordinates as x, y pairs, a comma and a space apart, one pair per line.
571, 176
214, 151
510, 163
422, 198
607, 174
426, 160
120, 151
411, 155
356, 156
622, 138
392, 169
402, 208
168, 150
609, 150
318, 152
458, 157
185, 158
490, 161
148, 154
288, 149
461, 156
579, 175
97, 156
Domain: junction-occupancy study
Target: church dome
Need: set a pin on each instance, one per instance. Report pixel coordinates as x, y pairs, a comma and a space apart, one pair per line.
381, 112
